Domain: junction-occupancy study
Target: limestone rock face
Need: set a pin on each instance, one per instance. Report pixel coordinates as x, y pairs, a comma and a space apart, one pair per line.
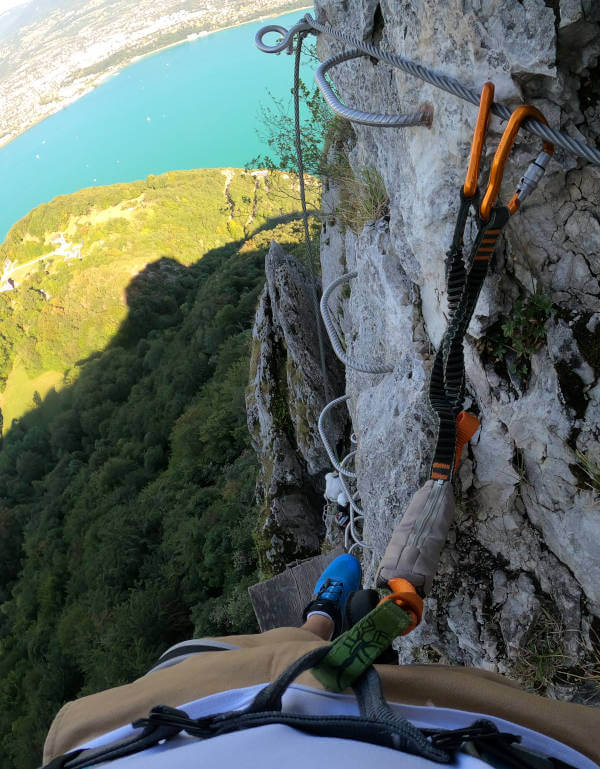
284, 399
522, 560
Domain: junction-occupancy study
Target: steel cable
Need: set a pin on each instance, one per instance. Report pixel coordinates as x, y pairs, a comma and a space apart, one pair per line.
330, 453
423, 117
355, 512
366, 368
429, 75
307, 239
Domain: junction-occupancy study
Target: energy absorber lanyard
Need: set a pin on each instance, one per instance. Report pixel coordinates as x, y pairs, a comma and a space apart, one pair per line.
465, 278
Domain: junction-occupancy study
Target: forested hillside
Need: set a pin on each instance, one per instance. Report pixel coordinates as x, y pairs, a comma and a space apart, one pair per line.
127, 480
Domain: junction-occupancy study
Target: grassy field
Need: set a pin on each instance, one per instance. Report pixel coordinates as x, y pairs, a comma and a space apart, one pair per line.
65, 309
19, 392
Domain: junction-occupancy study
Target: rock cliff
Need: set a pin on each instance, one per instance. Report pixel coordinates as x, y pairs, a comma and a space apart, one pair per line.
284, 398
519, 581
518, 589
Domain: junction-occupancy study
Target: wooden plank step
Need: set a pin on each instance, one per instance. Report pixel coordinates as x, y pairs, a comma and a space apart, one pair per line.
279, 601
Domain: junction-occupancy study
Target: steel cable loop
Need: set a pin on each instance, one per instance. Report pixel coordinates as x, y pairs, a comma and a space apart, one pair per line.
348, 534
288, 37
330, 453
455, 87
366, 368
439, 80
422, 118
355, 512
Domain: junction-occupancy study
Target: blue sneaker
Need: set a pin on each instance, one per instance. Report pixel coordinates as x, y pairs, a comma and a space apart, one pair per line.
333, 587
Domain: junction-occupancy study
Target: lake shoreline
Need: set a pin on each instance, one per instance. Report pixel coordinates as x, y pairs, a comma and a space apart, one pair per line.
144, 121
196, 36
87, 88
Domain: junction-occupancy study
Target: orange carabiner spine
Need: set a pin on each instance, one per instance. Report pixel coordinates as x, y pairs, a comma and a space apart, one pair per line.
499, 162
405, 595
483, 116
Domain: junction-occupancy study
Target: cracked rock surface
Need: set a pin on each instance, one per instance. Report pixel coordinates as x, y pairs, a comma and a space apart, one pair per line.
519, 578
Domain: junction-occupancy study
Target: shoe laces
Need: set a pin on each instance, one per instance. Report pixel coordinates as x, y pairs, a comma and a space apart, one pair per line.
334, 586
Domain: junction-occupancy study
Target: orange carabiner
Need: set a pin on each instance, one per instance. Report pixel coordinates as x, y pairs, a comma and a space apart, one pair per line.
466, 426
499, 162
405, 595
483, 117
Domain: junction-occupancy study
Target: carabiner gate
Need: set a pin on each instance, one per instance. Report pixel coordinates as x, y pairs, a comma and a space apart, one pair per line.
483, 118
533, 174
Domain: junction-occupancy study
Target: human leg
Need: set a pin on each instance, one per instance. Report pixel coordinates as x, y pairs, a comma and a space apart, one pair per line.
321, 625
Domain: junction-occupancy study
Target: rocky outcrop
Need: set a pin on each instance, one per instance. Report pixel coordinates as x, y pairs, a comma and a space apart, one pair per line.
285, 396
520, 577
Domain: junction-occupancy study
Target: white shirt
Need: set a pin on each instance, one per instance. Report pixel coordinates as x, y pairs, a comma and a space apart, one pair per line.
282, 747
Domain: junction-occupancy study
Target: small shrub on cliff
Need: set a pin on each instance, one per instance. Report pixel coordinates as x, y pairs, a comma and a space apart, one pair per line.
514, 338
277, 128
363, 198
590, 470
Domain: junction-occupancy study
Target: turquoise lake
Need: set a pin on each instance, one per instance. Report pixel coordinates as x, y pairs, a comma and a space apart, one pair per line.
194, 105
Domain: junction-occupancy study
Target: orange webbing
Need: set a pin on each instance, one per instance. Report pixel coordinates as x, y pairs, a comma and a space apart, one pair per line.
438, 474
466, 427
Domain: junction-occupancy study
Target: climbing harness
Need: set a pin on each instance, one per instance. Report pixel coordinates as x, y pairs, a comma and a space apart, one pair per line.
377, 724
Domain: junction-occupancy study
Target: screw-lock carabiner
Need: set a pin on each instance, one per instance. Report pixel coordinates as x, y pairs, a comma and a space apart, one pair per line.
533, 174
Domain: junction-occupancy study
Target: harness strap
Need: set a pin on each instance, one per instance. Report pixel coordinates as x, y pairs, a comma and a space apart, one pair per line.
373, 707
151, 735
377, 724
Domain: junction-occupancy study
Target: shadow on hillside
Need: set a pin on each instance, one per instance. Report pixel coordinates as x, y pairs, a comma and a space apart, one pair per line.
283, 219
126, 497
159, 299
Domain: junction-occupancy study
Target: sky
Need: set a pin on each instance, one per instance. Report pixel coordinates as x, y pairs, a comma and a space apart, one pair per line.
6, 5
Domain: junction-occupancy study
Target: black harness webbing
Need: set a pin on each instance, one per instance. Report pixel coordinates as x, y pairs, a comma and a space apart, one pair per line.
377, 724
464, 283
